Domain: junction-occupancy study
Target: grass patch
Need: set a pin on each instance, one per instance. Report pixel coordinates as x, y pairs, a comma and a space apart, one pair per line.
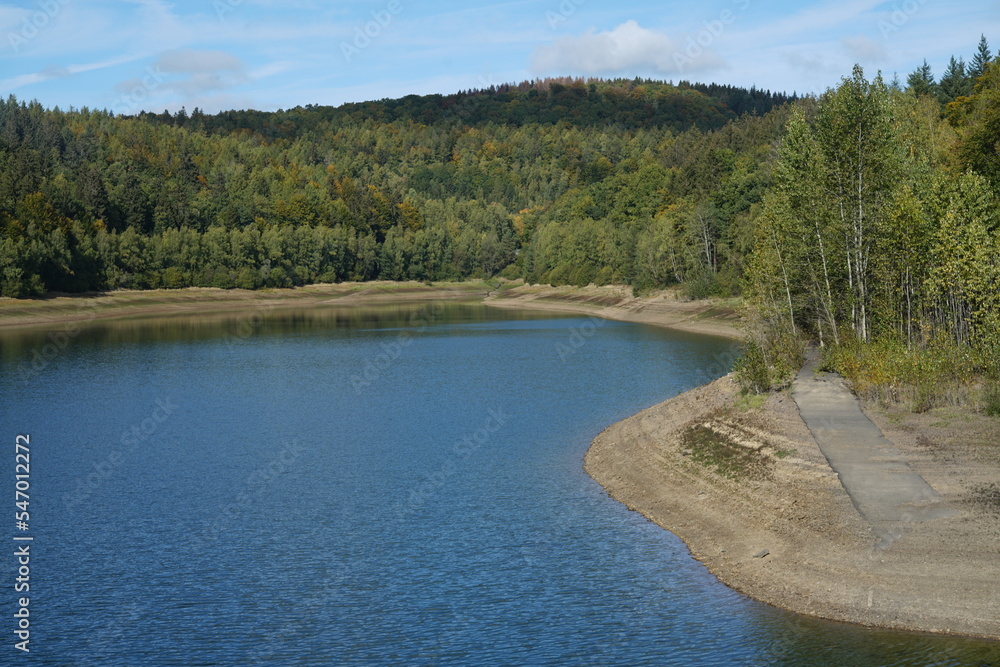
784, 453
747, 401
719, 453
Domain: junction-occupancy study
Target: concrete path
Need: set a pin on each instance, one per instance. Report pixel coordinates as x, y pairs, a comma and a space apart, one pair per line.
881, 484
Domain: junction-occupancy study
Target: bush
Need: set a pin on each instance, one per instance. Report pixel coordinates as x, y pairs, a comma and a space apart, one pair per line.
174, 278
558, 276
512, 272
751, 369
939, 374
278, 277
702, 285
582, 276
247, 278
991, 400
604, 277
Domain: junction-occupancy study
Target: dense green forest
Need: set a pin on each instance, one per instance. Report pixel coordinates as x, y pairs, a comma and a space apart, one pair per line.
556, 179
865, 219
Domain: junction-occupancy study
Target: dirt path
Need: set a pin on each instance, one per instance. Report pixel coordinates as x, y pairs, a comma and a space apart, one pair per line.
887, 492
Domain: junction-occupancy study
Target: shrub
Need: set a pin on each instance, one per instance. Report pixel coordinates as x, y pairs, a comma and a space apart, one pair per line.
941, 373
701, 285
751, 369
991, 400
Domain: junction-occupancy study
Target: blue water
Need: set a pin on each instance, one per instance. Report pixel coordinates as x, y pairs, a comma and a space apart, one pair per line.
400, 486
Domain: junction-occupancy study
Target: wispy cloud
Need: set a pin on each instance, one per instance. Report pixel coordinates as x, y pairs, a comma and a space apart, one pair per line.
627, 49
865, 50
57, 72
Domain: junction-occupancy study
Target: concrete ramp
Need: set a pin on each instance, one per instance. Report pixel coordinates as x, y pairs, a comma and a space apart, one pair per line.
881, 484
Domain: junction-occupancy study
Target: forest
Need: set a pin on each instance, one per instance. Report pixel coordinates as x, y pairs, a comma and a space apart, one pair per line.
529, 179
879, 238
864, 219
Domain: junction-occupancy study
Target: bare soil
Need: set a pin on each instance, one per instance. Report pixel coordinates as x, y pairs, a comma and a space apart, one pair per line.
774, 522
60, 309
666, 308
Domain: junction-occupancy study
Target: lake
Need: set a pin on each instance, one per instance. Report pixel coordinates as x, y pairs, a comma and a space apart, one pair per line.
395, 486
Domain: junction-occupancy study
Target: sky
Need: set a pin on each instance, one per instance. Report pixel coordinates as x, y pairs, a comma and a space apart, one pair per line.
132, 55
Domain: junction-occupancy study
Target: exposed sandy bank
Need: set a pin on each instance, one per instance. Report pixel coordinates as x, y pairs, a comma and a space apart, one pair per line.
37, 313
939, 576
615, 302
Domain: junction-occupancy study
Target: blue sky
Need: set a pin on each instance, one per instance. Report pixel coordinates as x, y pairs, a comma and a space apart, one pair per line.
130, 55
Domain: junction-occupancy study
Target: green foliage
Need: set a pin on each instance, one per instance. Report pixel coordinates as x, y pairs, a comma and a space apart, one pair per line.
555, 179
634, 103
939, 374
981, 61
749, 401
921, 81
955, 83
752, 371
874, 242
991, 400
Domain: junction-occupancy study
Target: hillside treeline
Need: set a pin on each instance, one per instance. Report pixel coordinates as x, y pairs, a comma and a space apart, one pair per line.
561, 180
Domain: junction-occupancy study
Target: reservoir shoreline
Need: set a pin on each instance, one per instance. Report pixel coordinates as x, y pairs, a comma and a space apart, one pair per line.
782, 531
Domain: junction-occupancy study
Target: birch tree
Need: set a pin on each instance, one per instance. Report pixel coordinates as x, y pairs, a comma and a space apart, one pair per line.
854, 131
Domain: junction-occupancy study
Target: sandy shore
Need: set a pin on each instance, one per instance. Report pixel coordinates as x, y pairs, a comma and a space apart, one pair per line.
129, 304
614, 302
749, 491
666, 308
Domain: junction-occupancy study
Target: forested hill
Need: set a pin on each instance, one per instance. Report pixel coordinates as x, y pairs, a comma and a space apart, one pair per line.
629, 104
562, 182
557, 180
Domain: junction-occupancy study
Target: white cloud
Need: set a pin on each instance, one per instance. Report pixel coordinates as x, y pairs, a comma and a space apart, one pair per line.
628, 49
190, 61
863, 49
179, 77
812, 64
